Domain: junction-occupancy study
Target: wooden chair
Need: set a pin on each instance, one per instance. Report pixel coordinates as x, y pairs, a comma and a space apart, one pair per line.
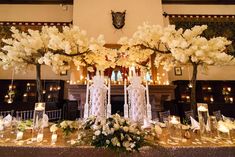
218, 115
25, 115
5, 113
189, 114
54, 115
163, 116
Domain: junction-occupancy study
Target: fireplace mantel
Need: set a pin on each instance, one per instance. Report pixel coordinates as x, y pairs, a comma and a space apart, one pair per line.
158, 93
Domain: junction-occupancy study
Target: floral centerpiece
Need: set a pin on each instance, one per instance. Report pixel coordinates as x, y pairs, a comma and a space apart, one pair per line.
68, 127
53, 128
116, 133
89, 122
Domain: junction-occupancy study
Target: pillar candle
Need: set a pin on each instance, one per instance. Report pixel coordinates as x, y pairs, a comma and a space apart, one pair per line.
125, 92
147, 93
39, 137
53, 138
19, 135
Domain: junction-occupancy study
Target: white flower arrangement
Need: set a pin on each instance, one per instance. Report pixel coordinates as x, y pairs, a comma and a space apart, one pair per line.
174, 46
53, 128
68, 127
117, 133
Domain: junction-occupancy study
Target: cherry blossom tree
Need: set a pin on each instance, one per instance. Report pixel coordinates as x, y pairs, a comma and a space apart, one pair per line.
173, 47
56, 49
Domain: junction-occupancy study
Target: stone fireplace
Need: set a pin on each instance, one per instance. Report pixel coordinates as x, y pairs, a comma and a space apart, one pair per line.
157, 94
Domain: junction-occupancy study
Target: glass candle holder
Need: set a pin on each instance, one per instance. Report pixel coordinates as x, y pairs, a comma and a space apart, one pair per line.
53, 138
39, 111
19, 135
1, 127
223, 131
214, 126
204, 120
39, 137
232, 133
174, 126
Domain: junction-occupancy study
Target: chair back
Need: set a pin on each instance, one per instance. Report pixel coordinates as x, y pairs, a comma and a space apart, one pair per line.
54, 115
189, 114
218, 115
5, 113
25, 115
163, 116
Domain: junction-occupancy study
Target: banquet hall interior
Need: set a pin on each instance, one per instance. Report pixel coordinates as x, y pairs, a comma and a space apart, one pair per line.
167, 66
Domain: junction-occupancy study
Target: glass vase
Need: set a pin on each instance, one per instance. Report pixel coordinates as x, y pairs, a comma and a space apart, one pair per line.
223, 131
174, 127
53, 138
204, 120
38, 126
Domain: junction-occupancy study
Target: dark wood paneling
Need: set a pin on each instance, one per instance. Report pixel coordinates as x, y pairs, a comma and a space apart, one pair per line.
198, 2
36, 1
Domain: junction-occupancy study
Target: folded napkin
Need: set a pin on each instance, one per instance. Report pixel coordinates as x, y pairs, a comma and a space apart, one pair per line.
227, 118
194, 124
45, 120
1, 125
7, 120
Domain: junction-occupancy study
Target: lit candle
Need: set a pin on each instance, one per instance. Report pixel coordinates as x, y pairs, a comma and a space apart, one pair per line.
211, 99
39, 137
53, 138
231, 99
174, 120
40, 106
81, 77
19, 135
202, 108
187, 97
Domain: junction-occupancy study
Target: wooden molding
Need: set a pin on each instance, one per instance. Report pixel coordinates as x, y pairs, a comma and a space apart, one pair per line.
19, 23
197, 15
36, 2
213, 2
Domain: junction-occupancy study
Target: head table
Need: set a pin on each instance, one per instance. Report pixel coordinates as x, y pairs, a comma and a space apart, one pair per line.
163, 147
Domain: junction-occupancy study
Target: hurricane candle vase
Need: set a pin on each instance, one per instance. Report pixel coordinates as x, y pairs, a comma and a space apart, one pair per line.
1, 127
204, 120
39, 111
19, 135
53, 138
214, 126
174, 127
223, 131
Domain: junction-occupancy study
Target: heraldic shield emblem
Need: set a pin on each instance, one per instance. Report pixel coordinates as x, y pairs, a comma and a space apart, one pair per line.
118, 19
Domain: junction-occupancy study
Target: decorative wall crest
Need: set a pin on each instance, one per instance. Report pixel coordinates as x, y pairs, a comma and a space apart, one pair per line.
118, 19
